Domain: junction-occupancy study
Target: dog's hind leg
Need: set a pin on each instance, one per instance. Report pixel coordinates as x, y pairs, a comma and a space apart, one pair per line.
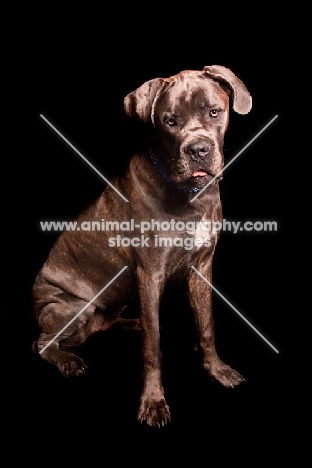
128, 324
64, 328
103, 320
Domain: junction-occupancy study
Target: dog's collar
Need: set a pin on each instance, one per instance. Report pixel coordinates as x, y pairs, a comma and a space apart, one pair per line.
161, 171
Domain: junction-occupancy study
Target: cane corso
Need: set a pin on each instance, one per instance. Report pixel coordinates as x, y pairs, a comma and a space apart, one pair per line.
162, 233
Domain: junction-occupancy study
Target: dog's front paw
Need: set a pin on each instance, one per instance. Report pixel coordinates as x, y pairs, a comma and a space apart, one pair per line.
154, 412
227, 376
71, 365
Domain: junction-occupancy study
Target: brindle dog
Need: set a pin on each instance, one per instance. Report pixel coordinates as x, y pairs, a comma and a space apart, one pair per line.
190, 112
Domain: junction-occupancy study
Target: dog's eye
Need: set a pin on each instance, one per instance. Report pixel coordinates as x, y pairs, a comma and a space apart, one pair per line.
171, 122
214, 113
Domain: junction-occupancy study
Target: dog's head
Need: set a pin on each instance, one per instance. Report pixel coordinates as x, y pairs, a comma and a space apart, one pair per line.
190, 111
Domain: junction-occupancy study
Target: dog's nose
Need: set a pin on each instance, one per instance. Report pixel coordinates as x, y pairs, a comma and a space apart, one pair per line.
197, 150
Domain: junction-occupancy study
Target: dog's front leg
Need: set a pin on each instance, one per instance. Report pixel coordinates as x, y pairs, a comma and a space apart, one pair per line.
200, 294
153, 407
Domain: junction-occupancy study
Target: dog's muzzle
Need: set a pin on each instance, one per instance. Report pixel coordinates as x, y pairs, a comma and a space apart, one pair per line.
198, 150
198, 156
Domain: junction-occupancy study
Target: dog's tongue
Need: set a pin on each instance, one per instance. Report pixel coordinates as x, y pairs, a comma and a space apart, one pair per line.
199, 174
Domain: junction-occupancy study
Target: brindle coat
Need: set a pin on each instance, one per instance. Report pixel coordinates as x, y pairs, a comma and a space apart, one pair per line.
190, 112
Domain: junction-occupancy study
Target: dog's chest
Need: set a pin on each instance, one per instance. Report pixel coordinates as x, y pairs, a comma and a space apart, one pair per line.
181, 238
202, 233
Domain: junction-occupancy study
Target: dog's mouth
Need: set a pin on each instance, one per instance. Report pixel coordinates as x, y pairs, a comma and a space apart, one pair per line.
199, 173
203, 176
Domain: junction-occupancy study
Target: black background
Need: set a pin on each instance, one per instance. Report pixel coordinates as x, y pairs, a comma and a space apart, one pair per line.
75, 69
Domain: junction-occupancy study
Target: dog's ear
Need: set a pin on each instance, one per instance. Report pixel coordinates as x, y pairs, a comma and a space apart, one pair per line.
241, 98
141, 102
